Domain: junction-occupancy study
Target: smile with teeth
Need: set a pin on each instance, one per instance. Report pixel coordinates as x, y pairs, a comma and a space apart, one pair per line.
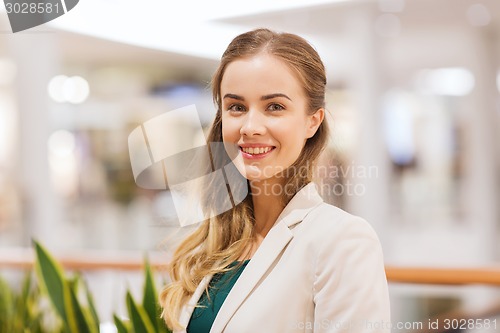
256, 151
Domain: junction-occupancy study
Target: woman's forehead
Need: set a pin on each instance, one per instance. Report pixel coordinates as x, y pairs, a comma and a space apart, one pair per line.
261, 74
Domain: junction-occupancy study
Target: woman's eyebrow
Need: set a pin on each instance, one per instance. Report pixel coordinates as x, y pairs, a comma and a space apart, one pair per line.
263, 98
271, 96
233, 96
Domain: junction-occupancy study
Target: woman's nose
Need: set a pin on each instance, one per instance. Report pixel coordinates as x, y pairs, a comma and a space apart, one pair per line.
253, 124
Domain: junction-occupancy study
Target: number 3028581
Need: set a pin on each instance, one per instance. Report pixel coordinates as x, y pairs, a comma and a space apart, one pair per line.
32, 8
462, 324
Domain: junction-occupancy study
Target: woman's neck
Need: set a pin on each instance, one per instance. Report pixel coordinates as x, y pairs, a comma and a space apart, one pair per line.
267, 204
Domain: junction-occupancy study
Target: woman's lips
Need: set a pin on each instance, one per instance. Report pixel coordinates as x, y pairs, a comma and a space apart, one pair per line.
254, 153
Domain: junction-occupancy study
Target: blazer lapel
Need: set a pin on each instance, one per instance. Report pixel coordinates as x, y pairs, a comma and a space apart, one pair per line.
270, 248
267, 253
300, 205
188, 308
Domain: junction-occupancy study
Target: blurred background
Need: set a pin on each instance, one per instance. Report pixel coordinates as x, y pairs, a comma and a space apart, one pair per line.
413, 94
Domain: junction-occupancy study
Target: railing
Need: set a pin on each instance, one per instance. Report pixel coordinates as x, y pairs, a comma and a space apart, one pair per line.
91, 260
444, 276
133, 261
88, 261
446, 322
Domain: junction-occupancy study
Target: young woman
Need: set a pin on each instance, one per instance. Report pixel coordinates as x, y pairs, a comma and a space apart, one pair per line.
281, 260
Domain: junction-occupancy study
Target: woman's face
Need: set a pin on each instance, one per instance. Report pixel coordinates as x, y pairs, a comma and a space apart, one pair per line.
265, 123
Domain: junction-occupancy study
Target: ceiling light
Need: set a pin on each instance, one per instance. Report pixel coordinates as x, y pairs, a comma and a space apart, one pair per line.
478, 15
73, 89
452, 81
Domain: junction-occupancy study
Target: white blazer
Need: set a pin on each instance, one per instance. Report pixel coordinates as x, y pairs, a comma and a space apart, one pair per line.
319, 269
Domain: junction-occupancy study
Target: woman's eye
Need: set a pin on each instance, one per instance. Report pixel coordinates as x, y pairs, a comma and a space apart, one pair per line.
275, 107
236, 107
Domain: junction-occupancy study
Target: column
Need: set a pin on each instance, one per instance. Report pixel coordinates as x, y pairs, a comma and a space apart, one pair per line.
367, 84
481, 163
35, 54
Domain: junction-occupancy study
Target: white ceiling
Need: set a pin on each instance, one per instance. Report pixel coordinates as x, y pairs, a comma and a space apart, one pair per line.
190, 35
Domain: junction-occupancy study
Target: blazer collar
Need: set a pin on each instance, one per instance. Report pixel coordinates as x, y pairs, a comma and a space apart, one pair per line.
300, 205
267, 253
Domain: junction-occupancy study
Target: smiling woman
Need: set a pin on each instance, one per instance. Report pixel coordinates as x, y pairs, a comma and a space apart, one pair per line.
282, 260
265, 114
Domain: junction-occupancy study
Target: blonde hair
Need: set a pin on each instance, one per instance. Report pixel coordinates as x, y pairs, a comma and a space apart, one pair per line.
223, 239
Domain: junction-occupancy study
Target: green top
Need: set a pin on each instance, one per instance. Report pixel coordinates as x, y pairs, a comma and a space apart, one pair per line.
209, 305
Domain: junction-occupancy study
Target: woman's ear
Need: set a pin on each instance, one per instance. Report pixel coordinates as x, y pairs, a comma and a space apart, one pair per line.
314, 120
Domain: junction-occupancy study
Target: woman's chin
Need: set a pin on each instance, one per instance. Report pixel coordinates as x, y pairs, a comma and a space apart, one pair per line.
253, 173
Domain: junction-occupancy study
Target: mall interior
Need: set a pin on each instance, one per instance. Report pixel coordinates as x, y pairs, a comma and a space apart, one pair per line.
413, 95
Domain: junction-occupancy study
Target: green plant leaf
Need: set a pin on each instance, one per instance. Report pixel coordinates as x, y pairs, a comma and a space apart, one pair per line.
120, 326
52, 278
162, 326
80, 287
161, 323
6, 309
27, 281
139, 318
92, 309
23, 302
82, 317
149, 301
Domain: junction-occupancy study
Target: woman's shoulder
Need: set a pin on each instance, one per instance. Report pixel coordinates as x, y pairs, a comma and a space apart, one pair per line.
327, 222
